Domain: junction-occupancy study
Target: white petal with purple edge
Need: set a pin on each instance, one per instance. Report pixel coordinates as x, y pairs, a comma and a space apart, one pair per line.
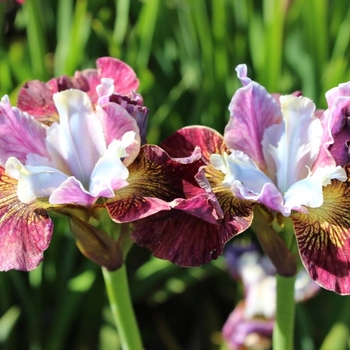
108, 169
239, 167
34, 182
104, 90
71, 191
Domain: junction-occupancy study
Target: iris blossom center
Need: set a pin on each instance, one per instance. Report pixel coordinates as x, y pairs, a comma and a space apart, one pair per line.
81, 162
291, 178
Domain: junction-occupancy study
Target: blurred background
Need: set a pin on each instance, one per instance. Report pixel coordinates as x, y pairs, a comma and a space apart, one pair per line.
184, 53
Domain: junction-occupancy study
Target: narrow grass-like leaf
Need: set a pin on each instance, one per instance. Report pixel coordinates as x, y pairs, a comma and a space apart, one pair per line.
121, 21
36, 39
63, 32
145, 29
274, 14
74, 41
7, 322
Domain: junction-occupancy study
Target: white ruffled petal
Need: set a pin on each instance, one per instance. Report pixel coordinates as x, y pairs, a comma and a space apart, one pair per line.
308, 192
291, 147
109, 172
238, 167
81, 136
34, 182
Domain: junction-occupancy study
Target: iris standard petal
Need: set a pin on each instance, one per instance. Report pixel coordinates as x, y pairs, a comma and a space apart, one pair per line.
338, 100
81, 135
336, 117
35, 98
291, 148
123, 75
252, 111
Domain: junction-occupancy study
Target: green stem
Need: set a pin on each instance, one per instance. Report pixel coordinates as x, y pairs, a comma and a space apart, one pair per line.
122, 309
283, 332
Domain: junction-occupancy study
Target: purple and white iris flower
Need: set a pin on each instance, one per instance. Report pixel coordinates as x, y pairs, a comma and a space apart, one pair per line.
73, 147
276, 155
251, 323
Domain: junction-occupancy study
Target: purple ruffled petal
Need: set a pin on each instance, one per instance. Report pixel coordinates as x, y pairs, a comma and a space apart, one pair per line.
134, 106
252, 111
337, 119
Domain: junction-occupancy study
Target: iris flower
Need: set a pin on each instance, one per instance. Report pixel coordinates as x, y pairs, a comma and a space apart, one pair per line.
250, 324
72, 147
275, 156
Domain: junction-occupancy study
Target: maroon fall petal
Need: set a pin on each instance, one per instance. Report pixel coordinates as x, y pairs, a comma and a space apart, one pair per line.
25, 230
238, 213
158, 182
323, 237
182, 142
182, 238
187, 240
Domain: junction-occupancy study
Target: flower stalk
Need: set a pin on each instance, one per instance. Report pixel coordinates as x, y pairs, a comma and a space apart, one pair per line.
278, 242
283, 332
122, 309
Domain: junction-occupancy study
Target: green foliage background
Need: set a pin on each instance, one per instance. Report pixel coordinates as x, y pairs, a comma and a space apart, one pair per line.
185, 53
